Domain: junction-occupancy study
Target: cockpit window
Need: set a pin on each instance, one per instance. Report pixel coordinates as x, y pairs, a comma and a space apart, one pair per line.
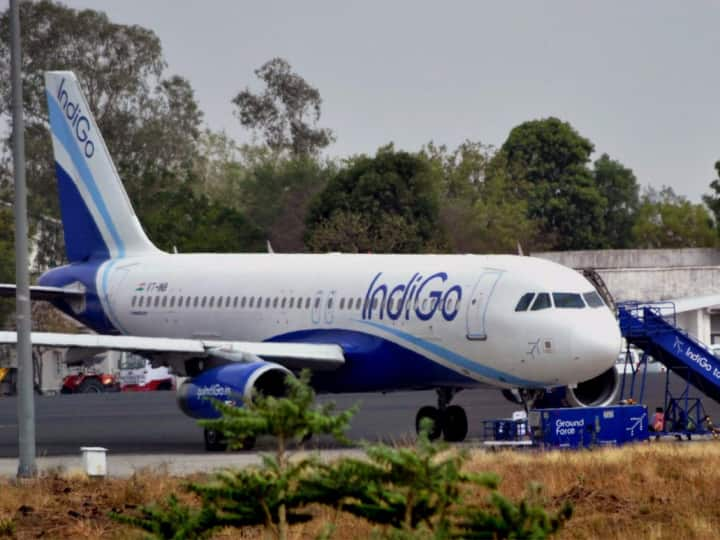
541, 302
593, 299
524, 302
568, 300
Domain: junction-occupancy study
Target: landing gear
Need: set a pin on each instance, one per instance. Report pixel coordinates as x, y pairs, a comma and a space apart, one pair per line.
216, 442
450, 421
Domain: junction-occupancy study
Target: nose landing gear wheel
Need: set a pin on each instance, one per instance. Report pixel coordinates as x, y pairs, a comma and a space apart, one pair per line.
455, 424
433, 414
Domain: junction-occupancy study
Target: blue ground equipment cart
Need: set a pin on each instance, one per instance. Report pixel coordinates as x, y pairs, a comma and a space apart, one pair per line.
589, 426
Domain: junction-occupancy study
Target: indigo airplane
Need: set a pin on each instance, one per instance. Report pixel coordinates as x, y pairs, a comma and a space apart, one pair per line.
238, 323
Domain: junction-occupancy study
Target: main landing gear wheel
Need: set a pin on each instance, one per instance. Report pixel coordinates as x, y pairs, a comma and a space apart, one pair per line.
434, 415
214, 441
455, 424
450, 421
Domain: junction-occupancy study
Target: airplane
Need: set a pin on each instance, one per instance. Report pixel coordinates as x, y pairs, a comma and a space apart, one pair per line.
235, 324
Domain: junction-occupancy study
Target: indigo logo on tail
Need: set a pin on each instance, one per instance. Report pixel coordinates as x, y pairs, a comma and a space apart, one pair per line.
77, 119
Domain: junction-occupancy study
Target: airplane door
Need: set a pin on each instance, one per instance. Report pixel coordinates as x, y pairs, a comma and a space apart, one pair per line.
478, 305
329, 306
317, 307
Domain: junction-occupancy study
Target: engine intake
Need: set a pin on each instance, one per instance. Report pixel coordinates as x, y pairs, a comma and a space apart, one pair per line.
599, 391
232, 383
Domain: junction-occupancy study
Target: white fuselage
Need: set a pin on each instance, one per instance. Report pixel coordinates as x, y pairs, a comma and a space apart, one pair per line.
458, 311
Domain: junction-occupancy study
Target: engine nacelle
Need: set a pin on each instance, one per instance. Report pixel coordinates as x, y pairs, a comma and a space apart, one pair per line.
599, 391
232, 383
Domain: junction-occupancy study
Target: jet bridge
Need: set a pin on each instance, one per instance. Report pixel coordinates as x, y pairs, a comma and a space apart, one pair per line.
653, 328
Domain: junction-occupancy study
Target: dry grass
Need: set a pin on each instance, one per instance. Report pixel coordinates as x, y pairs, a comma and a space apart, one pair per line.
655, 491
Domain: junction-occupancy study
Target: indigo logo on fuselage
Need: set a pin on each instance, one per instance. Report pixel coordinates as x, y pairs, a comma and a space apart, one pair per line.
421, 296
78, 120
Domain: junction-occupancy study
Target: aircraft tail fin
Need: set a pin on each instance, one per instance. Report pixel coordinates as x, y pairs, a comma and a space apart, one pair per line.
98, 219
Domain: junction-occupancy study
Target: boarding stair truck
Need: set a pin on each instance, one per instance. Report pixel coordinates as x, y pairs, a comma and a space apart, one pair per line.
652, 327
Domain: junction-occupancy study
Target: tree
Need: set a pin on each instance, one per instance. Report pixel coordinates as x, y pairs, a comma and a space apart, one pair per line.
286, 112
548, 161
395, 195
667, 220
149, 123
179, 218
619, 187
275, 192
713, 199
413, 492
481, 210
7, 260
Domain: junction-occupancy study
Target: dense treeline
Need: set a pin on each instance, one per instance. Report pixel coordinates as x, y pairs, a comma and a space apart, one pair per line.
195, 189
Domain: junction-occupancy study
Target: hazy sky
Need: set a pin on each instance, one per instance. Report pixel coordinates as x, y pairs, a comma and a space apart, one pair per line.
639, 79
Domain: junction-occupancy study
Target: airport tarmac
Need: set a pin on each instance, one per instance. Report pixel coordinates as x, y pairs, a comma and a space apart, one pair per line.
148, 430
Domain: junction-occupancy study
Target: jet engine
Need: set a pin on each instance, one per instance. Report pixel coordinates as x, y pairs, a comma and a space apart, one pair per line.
233, 383
596, 392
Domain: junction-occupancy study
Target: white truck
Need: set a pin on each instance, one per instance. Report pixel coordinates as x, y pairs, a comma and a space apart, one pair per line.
138, 375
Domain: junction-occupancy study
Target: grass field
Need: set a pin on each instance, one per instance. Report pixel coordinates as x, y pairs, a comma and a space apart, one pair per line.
657, 490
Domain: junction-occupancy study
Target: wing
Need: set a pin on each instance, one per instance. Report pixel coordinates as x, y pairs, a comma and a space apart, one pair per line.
174, 352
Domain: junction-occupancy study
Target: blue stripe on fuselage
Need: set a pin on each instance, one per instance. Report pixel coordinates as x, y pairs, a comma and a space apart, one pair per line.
375, 364
455, 358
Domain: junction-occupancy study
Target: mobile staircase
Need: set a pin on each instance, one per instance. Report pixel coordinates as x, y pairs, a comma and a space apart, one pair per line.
652, 328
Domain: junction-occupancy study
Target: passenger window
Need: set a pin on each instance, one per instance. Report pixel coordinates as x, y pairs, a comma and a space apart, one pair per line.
358, 303
568, 301
283, 302
180, 300
157, 301
243, 302
140, 304
235, 302
317, 302
593, 299
267, 302
292, 302
329, 305
172, 301
307, 303
164, 301
259, 302
525, 301
212, 301
204, 301
342, 303
195, 302
275, 302
252, 298
134, 301
541, 302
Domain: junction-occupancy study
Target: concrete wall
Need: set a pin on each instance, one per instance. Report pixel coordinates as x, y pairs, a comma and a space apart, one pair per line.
652, 284
634, 258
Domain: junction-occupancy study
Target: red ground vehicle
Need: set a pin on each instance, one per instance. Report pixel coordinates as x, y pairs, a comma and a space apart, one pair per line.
89, 383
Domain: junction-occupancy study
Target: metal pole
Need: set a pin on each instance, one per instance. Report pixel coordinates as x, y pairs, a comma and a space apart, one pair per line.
26, 404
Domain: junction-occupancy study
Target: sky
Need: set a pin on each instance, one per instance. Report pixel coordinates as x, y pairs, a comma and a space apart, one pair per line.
639, 79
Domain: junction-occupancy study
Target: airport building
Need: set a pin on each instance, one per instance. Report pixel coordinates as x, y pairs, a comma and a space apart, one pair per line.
651, 275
